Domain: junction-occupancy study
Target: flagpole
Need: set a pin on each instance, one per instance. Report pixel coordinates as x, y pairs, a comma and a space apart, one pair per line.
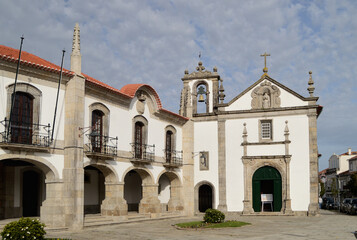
14, 92
58, 89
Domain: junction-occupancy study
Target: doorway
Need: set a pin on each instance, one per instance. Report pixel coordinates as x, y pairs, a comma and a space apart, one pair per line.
267, 180
204, 197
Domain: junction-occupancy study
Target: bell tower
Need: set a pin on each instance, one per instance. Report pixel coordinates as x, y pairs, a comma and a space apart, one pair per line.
201, 91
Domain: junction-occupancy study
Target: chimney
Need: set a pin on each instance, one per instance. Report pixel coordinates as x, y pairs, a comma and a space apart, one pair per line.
349, 151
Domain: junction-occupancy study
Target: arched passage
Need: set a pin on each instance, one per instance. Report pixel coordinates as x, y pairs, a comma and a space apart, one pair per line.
267, 180
23, 186
170, 192
94, 190
103, 193
140, 191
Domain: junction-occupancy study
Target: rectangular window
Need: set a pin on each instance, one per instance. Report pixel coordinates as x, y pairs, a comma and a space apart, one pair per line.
266, 132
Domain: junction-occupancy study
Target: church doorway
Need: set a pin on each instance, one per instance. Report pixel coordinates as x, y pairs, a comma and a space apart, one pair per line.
133, 192
204, 197
94, 190
31, 193
267, 180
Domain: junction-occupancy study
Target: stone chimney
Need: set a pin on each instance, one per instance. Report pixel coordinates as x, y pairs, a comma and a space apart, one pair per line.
349, 151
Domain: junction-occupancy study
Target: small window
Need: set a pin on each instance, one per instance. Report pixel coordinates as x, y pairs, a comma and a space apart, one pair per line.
266, 132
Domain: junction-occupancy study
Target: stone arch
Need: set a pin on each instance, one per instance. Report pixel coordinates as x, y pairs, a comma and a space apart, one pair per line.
170, 142
113, 203
267, 180
194, 95
106, 115
31, 90
144, 173
175, 203
108, 171
48, 169
47, 178
281, 164
197, 187
149, 202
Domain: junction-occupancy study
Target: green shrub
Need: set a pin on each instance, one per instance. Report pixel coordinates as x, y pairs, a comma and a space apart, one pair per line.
213, 216
25, 228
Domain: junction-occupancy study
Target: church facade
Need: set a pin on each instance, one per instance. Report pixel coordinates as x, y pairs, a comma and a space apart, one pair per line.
109, 151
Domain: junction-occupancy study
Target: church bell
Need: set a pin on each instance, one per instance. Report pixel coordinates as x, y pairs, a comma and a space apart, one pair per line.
201, 98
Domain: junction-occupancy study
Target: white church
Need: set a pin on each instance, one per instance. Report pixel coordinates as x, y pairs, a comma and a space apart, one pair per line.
119, 152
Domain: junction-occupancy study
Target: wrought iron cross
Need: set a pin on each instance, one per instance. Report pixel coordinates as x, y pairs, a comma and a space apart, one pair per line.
265, 55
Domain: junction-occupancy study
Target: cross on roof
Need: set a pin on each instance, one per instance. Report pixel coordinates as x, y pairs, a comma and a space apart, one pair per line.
265, 55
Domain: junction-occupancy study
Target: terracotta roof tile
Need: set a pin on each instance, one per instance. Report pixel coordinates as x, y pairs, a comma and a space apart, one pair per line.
352, 153
12, 55
131, 89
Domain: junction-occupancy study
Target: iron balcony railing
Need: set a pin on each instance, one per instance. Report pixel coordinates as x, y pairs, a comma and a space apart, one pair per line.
143, 152
25, 133
173, 157
101, 144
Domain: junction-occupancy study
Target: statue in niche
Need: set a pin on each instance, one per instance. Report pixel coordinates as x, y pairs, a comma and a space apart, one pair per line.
265, 96
203, 160
266, 100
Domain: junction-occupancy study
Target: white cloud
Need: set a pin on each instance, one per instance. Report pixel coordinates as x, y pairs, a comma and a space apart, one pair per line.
154, 41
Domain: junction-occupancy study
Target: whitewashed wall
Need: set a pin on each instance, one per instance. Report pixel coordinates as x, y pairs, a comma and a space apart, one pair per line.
206, 136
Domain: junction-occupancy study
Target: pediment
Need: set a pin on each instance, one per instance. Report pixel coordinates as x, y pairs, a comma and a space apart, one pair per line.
266, 93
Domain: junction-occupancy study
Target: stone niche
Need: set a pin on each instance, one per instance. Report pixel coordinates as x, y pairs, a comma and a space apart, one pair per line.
265, 96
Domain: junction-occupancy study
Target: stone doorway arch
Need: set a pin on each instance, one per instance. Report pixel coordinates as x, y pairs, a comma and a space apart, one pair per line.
204, 196
267, 180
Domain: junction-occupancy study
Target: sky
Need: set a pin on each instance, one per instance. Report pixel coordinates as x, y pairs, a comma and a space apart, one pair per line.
153, 42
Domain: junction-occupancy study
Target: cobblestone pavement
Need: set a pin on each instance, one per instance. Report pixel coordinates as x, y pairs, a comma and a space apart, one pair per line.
328, 225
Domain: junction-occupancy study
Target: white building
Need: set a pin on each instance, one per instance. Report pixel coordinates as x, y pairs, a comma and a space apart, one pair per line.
112, 151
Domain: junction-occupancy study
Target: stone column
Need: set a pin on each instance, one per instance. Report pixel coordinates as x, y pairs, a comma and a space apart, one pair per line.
114, 203
52, 211
247, 202
287, 199
150, 202
222, 206
188, 167
175, 203
314, 164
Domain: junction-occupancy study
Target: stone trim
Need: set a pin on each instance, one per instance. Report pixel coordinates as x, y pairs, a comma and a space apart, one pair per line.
260, 130
32, 91
253, 163
313, 209
242, 114
106, 116
194, 95
265, 143
143, 120
265, 77
221, 128
196, 192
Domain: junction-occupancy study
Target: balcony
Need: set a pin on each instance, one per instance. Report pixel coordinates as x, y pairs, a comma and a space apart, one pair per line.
142, 153
173, 158
23, 136
101, 147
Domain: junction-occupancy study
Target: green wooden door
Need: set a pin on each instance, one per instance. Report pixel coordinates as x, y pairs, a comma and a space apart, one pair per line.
256, 196
267, 174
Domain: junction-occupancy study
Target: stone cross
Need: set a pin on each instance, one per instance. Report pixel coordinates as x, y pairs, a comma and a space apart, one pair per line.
265, 55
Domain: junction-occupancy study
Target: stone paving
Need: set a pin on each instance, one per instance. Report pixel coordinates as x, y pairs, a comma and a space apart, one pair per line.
329, 225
